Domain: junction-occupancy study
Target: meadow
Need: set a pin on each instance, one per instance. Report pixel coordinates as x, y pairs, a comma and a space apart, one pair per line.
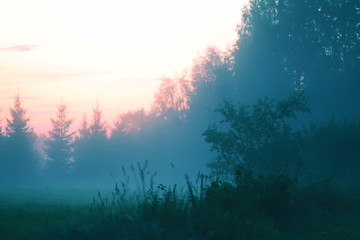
253, 207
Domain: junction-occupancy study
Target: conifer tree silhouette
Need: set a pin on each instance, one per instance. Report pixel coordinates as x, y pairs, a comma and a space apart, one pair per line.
60, 143
21, 157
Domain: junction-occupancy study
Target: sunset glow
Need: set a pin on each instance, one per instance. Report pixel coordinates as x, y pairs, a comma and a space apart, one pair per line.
116, 51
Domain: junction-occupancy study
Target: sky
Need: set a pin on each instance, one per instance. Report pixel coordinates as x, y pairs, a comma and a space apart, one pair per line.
78, 51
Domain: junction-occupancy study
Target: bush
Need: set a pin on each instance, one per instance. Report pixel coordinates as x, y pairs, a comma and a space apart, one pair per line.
257, 137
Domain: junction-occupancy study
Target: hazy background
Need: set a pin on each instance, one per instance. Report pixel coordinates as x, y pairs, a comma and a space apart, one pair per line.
112, 84
115, 51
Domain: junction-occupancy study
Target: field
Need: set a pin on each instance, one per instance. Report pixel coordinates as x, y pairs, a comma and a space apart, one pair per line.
30, 213
270, 207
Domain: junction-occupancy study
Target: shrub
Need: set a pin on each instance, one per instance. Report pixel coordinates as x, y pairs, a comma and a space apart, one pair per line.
257, 137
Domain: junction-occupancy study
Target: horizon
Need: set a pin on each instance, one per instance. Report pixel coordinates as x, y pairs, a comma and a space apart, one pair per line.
51, 51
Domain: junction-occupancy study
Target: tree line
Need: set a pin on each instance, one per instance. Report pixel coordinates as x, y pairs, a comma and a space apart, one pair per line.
284, 49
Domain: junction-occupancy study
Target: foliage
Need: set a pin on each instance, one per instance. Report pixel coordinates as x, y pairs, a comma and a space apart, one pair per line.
59, 145
19, 159
97, 128
172, 100
282, 46
84, 131
34, 220
212, 83
311, 45
18, 127
257, 136
269, 206
332, 150
91, 155
304, 31
261, 206
130, 122
271, 198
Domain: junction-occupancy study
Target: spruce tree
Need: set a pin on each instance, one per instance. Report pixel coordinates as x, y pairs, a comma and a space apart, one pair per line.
84, 131
17, 126
60, 143
97, 128
21, 156
91, 164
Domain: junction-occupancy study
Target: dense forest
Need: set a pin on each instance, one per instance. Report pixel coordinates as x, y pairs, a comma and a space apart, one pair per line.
281, 106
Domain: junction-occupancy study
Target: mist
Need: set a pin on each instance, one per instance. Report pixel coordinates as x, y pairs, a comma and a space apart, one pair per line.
282, 101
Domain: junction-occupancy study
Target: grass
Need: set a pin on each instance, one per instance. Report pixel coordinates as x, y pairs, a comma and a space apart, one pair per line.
263, 207
31, 221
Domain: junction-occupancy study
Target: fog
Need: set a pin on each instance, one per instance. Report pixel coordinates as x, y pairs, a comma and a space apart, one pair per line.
279, 53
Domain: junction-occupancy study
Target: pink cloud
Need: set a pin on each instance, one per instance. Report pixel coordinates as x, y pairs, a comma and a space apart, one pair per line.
20, 48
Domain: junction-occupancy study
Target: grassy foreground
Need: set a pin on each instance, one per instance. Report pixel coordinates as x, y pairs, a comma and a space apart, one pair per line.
264, 207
